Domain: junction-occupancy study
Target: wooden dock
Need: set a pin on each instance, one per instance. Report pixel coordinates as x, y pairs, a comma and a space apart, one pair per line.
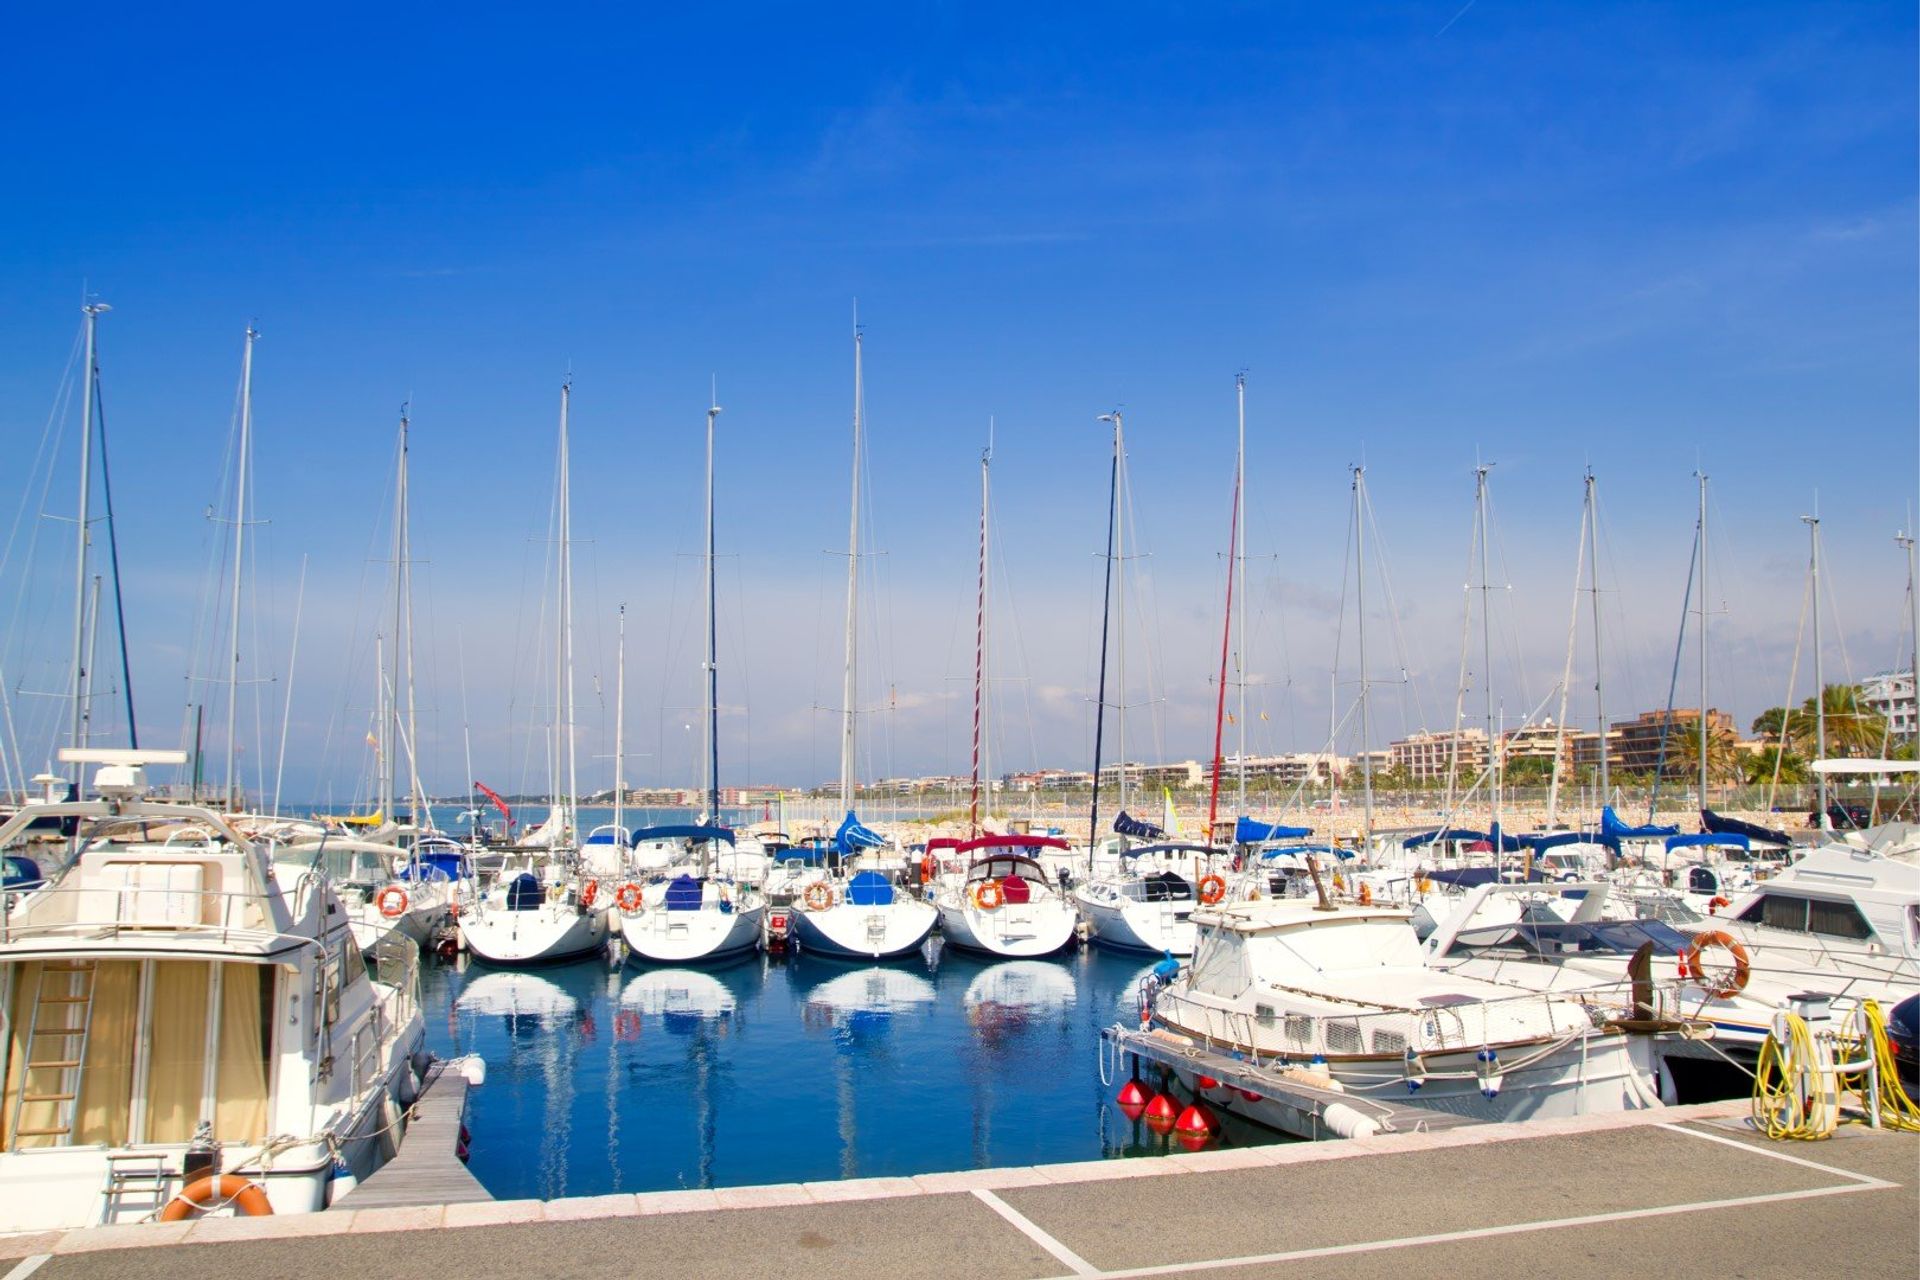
1307, 1102
428, 1168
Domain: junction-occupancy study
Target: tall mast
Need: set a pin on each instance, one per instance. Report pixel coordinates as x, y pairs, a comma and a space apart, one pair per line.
239, 547
1106, 619
1486, 645
1819, 676
1120, 602
619, 730
1360, 611
980, 660
1240, 572
1703, 641
1593, 586
383, 734
566, 608
713, 654
402, 635
93, 651
1906, 541
92, 311
851, 686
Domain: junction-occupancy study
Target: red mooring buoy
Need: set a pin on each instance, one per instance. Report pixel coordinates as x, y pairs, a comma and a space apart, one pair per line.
1161, 1113
1194, 1128
1132, 1099
1206, 1082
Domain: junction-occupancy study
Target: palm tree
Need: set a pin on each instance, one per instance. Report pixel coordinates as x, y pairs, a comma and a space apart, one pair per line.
1853, 727
1760, 767
1724, 762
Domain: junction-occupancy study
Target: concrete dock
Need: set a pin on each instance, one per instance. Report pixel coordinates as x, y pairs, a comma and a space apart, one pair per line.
1687, 1189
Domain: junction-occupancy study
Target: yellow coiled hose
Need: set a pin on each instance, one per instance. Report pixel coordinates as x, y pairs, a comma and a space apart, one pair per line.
1783, 1109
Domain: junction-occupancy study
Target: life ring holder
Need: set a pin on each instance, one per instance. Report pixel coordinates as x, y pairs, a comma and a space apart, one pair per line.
819, 896
1742, 963
1213, 889
204, 1195
392, 902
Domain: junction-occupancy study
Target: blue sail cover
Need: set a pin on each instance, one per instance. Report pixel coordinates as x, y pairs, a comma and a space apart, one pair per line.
525, 893
683, 894
853, 836
869, 889
1465, 835
1302, 850
1753, 831
1611, 825
1542, 841
683, 831
1128, 825
1247, 831
1731, 839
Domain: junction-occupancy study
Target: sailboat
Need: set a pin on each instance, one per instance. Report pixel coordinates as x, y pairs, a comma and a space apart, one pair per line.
862, 915
696, 915
544, 906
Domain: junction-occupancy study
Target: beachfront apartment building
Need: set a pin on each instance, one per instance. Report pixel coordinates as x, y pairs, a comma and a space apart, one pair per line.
1891, 694
1431, 757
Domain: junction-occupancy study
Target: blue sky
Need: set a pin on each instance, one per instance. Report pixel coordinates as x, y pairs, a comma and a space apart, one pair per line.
1649, 237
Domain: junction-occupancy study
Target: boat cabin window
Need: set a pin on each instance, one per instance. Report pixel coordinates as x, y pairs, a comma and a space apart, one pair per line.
111, 1052
1809, 915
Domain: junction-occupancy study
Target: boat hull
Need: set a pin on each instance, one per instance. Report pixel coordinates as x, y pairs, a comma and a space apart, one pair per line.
1128, 924
881, 932
658, 936
541, 936
1014, 930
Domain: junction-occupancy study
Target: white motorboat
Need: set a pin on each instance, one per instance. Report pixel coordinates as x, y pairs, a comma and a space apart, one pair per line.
539, 910
1148, 905
864, 917
1347, 990
1003, 904
1839, 910
178, 1007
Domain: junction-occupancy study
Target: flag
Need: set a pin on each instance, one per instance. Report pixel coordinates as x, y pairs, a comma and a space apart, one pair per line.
1167, 818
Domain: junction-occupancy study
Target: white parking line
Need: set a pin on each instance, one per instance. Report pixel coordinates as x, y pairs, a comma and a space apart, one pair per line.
1771, 1154
27, 1266
1032, 1231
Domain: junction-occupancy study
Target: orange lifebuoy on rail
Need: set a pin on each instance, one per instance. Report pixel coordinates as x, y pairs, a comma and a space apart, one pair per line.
1742, 965
627, 898
819, 896
988, 895
927, 868
392, 901
1212, 889
588, 893
203, 1195
1716, 902
1366, 894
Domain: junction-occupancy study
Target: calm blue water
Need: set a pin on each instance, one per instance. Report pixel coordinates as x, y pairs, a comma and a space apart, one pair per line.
633, 1079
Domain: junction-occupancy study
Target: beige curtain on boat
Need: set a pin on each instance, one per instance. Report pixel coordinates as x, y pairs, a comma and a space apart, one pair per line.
106, 1080
246, 1018
177, 1053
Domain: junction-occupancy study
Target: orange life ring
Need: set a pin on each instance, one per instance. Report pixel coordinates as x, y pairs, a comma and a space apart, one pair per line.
819, 896
1366, 894
1716, 902
628, 897
203, 1195
588, 893
927, 868
1212, 889
988, 895
1742, 965
392, 902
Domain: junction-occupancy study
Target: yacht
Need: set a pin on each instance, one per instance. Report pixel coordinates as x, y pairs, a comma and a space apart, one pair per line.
1839, 910
1003, 903
540, 909
863, 917
179, 1007
693, 915
386, 891
1148, 905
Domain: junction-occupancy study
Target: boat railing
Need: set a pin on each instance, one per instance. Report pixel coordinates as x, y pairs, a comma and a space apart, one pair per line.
95, 913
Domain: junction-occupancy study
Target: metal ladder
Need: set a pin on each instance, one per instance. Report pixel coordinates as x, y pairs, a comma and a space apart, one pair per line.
60, 1007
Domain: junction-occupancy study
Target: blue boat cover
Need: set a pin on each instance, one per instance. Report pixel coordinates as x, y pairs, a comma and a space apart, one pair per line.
1497, 838
1247, 831
1304, 849
525, 893
437, 864
1732, 839
1474, 877
854, 836
1711, 821
1542, 841
683, 894
601, 837
869, 889
21, 873
1137, 850
683, 831
1127, 825
1611, 825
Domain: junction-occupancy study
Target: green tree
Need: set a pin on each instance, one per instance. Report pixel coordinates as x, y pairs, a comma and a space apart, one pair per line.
1853, 727
1724, 763
1769, 723
1760, 766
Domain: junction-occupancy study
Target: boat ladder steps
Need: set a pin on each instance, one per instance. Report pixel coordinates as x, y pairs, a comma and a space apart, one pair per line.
55, 1004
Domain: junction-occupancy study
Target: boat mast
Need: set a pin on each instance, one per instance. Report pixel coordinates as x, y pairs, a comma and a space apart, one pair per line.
239, 547
980, 657
850, 685
92, 311
1906, 541
619, 730
1703, 641
713, 653
383, 741
1240, 572
566, 609
1593, 586
1486, 651
1106, 618
402, 635
1360, 611
1819, 677
1120, 607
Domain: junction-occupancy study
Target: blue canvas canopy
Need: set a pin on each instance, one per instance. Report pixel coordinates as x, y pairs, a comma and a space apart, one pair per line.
1464, 835
683, 831
1711, 821
854, 836
869, 889
1128, 825
1473, 877
1247, 831
1542, 841
438, 864
683, 894
1611, 825
1303, 849
1729, 838
21, 873
1138, 850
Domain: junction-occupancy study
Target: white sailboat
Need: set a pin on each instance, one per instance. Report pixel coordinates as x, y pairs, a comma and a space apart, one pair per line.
543, 906
862, 916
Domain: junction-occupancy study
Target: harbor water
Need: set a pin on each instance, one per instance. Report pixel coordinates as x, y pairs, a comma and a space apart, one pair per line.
605, 1079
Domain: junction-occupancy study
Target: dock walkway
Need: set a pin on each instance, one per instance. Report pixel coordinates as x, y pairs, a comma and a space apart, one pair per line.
1681, 1189
428, 1168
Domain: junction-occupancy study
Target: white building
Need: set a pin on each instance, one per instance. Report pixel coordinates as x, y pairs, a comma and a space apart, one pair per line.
1891, 694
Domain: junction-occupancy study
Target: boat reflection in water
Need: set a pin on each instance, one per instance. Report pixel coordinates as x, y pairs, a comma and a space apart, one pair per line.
544, 1024
696, 1007
859, 1007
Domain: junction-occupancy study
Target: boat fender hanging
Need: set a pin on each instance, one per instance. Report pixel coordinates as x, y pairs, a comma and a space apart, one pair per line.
1366, 894
1488, 1061
627, 898
1416, 1070
392, 901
